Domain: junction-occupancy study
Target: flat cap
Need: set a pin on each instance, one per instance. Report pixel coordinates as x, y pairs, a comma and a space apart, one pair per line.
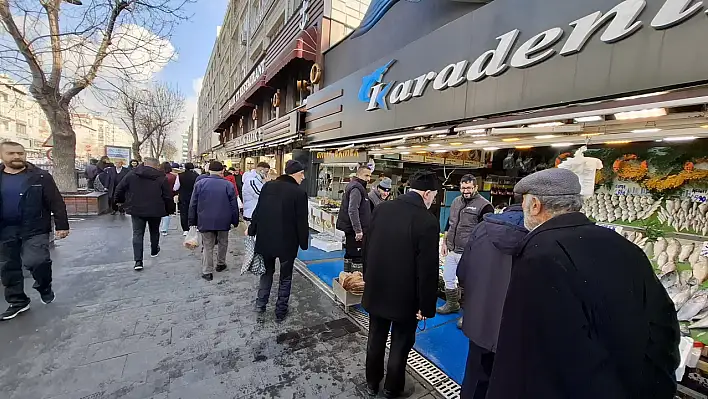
554, 181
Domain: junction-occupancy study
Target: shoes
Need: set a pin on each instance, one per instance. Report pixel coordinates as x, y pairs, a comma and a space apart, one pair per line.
372, 390
280, 317
154, 254
138, 265
48, 297
259, 309
459, 323
13, 311
185, 234
391, 395
452, 302
208, 276
164, 233
220, 268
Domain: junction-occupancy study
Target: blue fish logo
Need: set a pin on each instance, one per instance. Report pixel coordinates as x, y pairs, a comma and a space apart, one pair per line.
369, 81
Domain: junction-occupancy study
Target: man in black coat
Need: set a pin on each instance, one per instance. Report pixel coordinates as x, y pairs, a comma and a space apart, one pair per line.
115, 176
585, 315
187, 180
354, 218
28, 198
484, 272
401, 276
280, 220
147, 197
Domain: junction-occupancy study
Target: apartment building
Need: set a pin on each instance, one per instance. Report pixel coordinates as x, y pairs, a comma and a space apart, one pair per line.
23, 121
252, 101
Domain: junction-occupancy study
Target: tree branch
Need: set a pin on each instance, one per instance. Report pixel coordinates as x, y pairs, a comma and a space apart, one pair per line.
38, 77
52, 8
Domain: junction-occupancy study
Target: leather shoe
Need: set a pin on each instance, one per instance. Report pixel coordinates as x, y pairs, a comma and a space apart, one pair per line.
208, 277
371, 390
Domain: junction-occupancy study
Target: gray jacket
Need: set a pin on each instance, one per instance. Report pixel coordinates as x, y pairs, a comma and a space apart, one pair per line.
375, 198
464, 217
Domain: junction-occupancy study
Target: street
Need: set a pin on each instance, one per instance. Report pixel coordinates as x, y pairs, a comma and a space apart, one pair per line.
166, 333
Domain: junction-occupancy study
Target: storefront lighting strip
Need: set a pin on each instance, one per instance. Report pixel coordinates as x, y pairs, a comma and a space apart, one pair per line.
547, 136
377, 139
586, 119
641, 114
653, 130
561, 144
680, 138
546, 124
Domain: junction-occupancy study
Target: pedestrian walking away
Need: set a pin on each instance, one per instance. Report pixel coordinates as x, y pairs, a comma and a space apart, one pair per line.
484, 272
174, 183
581, 291
401, 273
91, 172
253, 182
354, 218
147, 197
238, 177
115, 176
28, 199
380, 193
466, 211
187, 180
213, 210
281, 212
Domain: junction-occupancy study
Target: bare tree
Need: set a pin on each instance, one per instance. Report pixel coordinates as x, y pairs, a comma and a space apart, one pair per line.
58, 49
149, 114
169, 150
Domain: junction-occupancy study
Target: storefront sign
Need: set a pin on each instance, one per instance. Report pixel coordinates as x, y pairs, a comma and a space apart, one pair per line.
304, 16
435, 159
619, 23
247, 84
344, 156
251, 137
413, 158
118, 154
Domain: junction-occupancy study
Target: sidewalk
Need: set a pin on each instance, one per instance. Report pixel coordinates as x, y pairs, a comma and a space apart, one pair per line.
166, 333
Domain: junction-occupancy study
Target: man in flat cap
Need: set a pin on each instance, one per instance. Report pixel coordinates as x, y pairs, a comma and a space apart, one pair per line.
585, 315
401, 275
280, 226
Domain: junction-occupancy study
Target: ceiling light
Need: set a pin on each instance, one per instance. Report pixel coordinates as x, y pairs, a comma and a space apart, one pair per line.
545, 136
592, 134
618, 142
417, 146
523, 147
481, 142
440, 151
376, 155
421, 152
435, 145
490, 148
704, 126
473, 131
644, 113
584, 119
561, 144
405, 153
651, 130
419, 128
642, 96
401, 147
547, 124
509, 140
455, 143
680, 138
478, 135
388, 148
440, 136
465, 149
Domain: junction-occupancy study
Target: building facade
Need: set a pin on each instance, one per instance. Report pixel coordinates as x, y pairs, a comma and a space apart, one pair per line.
23, 121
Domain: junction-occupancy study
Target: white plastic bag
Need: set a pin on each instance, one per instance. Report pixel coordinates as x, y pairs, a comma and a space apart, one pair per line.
193, 239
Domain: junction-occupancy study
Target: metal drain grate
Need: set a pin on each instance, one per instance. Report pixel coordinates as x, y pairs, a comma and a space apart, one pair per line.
445, 386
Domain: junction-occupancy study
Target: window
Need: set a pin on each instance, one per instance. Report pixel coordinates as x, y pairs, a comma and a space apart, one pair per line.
21, 129
4, 126
3, 97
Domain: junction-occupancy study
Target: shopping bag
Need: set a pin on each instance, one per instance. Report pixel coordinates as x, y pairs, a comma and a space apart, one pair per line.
252, 262
193, 239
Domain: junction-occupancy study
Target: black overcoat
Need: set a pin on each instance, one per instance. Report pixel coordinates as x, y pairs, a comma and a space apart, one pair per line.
401, 260
280, 221
585, 317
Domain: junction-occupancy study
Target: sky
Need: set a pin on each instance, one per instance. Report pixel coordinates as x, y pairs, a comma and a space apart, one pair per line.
193, 41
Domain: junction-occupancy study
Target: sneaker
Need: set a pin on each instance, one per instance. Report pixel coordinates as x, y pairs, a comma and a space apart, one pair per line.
138, 265
185, 234
280, 317
220, 268
208, 276
154, 254
13, 311
259, 309
164, 233
48, 297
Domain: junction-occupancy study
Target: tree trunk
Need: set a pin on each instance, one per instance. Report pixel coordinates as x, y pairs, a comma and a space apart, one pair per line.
136, 152
64, 151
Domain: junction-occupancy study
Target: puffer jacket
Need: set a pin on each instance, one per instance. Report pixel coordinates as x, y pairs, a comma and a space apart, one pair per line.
465, 215
252, 186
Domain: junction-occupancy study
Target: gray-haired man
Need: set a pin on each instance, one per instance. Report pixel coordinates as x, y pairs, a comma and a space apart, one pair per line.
581, 291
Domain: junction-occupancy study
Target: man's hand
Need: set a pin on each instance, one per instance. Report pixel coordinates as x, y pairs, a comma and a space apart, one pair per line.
359, 236
443, 248
60, 234
420, 317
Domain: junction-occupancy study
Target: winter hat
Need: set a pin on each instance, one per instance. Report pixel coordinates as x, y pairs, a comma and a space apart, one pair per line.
293, 166
189, 166
424, 181
385, 183
551, 182
216, 166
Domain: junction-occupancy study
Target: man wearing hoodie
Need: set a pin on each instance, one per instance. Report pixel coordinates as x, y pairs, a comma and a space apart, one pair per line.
147, 197
466, 212
253, 182
484, 272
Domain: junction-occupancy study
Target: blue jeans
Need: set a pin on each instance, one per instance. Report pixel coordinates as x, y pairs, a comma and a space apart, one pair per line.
165, 224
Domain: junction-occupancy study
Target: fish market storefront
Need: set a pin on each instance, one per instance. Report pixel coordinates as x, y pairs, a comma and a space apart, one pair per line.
614, 90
